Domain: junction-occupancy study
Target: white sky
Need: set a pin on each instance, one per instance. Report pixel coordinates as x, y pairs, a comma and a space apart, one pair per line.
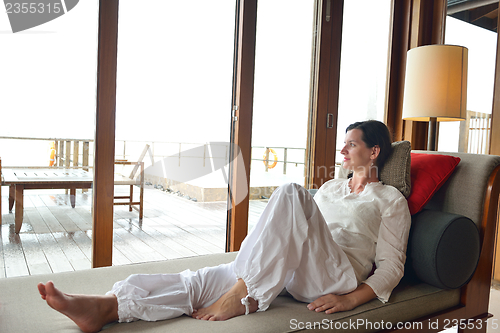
175, 72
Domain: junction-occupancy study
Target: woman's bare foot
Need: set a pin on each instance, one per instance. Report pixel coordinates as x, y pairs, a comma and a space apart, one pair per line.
228, 306
90, 313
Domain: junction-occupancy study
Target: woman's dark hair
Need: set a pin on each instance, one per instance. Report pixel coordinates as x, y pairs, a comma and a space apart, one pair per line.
375, 133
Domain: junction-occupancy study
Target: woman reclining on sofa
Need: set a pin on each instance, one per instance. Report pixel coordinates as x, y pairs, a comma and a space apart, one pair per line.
321, 250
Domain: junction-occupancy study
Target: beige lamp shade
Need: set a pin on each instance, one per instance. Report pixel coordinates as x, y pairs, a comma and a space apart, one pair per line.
436, 83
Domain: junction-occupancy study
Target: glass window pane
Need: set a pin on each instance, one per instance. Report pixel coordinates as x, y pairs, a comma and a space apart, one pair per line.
48, 104
281, 97
174, 87
472, 135
363, 65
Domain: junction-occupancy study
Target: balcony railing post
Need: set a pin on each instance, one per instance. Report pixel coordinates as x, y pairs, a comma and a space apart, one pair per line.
76, 153
285, 154
67, 154
61, 153
56, 154
180, 144
204, 153
266, 162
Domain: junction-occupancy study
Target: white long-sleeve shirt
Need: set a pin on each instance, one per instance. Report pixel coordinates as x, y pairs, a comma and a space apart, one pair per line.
370, 227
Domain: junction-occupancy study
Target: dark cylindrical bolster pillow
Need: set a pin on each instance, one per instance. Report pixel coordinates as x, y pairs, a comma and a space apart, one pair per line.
443, 248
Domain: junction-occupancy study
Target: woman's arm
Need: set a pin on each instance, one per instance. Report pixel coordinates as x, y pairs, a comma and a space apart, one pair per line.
335, 303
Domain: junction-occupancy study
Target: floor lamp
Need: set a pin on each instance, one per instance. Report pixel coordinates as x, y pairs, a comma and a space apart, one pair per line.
435, 86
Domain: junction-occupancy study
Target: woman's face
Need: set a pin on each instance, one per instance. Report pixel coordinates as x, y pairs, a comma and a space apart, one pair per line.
357, 156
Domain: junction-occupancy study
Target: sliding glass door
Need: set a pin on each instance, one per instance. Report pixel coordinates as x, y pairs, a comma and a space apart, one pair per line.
174, 90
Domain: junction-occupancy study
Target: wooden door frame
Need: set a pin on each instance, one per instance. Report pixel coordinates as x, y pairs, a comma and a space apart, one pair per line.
241, 122
321, 151
325, 94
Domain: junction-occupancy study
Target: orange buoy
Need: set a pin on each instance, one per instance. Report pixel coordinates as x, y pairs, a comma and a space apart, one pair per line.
52, 160
275, 161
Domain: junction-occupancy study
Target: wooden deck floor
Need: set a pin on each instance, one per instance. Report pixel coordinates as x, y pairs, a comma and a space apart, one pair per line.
57, 238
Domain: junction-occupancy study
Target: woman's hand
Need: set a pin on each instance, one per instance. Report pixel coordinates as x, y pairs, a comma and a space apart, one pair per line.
335, 303
332, 303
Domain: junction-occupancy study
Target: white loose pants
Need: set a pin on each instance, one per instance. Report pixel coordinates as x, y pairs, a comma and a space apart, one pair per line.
290, 247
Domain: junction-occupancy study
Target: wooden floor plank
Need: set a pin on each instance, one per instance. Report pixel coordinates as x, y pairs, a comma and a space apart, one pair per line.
83, 240
37, 223
15, 263
55, 237
35, 258
50, 220
139, 246
168, 237
145, 236
62, 216
2, 261
119, 258
78, 220
76, 257
169, 228
211, 236
55, 256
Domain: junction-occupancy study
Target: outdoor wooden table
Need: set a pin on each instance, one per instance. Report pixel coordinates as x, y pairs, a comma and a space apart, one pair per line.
19, 180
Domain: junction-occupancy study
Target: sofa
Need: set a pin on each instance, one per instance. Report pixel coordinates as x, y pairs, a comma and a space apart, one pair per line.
436, 292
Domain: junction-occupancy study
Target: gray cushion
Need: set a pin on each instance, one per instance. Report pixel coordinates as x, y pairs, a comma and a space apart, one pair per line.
443, 248
396, 171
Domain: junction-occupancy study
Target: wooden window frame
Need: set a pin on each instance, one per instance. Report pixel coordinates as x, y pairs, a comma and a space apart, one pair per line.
241, 123
414, 23
325, 94
324, 101
495, 112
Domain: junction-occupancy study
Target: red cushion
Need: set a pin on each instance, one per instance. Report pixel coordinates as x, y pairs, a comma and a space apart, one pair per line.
428, 174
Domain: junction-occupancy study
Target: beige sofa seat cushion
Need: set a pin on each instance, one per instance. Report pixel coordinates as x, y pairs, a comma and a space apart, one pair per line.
22, 309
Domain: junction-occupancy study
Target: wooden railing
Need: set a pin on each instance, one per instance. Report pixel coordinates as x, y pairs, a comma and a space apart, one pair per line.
273, 161
475, 133
76, 153
65, 157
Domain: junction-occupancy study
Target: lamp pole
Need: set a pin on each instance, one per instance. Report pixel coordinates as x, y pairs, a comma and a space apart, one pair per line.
431, 138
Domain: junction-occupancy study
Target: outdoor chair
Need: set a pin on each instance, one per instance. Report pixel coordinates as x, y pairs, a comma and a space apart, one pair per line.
134, 179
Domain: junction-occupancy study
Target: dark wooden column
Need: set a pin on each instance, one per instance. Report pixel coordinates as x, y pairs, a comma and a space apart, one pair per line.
104, 155
495, 114
325, 96
400, 31
241, 128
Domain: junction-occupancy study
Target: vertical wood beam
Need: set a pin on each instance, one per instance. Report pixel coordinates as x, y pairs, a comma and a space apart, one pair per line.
425, 27
399, 44
495, 113
102, 226
325, 100
241, 128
